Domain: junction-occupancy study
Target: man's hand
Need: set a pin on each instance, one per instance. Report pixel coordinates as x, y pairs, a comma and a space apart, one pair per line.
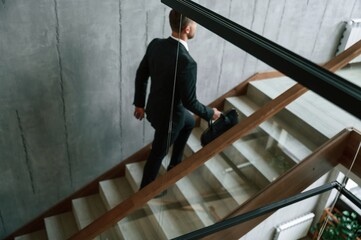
216, 114
139, 113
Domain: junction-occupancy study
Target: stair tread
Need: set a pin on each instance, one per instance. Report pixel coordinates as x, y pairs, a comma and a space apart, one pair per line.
134, 226
61, 226
38, 235
166, 212
312, 108
89, 208
276, 129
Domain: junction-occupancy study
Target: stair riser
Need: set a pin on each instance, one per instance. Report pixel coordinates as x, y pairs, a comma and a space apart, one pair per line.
256, 95
61, 226
104, 199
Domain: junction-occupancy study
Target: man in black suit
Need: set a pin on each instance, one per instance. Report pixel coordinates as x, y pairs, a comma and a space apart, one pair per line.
167, 62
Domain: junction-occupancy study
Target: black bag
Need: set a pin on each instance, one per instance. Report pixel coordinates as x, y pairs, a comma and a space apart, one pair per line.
227, 120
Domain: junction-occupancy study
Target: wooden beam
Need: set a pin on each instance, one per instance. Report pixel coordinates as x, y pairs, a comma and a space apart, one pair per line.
91, 188
294, 181
350, 153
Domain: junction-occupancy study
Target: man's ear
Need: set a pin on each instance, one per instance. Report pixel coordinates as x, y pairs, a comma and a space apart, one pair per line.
187, 29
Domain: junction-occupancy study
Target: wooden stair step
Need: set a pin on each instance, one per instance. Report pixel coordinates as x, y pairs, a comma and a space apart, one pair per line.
135, 226
38, 235
61, 226
89, 208
166, 213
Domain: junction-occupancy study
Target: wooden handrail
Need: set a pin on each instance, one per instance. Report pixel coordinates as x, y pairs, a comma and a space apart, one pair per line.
197, 159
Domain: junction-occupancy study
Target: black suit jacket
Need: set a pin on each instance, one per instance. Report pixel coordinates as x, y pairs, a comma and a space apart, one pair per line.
159, 63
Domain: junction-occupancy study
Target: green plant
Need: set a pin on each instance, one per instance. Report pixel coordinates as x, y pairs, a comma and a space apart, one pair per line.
340, 226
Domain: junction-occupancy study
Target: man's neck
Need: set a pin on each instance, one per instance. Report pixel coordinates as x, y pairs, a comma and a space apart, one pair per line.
180, 36
184, 43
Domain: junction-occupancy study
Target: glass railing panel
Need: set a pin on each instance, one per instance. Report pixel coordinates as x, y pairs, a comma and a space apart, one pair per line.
223, 183
217, 188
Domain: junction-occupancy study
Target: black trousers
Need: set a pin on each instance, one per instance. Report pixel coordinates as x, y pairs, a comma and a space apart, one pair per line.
179, 137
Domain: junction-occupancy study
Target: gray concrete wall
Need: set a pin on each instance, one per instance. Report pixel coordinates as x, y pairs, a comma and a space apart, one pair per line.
66, 82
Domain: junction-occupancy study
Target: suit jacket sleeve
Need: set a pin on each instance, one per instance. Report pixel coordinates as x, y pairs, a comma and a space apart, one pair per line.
187, 84
141, 82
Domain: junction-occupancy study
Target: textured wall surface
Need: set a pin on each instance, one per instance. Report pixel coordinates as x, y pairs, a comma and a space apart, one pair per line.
66, 82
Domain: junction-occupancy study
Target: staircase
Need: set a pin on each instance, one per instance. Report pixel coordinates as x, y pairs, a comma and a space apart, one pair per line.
223, 183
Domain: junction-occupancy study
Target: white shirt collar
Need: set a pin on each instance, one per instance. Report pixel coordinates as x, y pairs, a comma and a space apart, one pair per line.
185, 44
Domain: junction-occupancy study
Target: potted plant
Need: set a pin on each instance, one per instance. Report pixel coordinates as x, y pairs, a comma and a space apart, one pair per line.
340, 226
